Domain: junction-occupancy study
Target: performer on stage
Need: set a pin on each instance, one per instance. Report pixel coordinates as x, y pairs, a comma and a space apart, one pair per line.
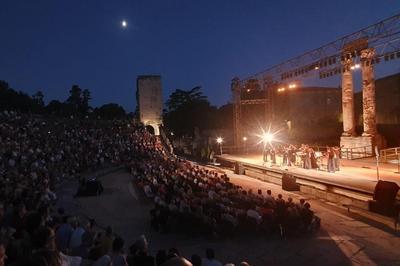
307, 157
337, 156
330, 154
265, 154
285, 155
313, 159
273, 155
292, 155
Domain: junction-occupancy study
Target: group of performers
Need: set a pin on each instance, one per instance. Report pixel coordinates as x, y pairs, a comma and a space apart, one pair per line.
303, 156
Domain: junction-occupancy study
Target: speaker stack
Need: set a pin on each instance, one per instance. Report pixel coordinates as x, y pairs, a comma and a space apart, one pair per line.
385, 198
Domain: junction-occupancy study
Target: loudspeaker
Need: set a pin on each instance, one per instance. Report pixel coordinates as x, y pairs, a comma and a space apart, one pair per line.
384, 198
239, 170
385, 192
289, 182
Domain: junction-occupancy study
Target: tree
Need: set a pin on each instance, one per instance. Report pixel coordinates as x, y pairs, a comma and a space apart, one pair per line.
3, 86
86, 98
180, 97
11, 99
58, 108
75, 99
224, 117
38, 98
79, 100
38, 101
188, 110
110, 111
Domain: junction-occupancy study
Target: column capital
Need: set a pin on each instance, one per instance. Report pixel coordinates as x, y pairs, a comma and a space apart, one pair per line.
235, 83
347, 62
367, 54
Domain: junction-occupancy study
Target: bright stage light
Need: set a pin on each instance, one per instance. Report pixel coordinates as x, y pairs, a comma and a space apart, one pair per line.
124, 24
292, 86
267, 137
244, 138
219, 140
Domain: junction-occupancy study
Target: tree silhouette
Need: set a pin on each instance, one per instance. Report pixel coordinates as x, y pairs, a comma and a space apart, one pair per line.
180, 97
110, 111
188, 110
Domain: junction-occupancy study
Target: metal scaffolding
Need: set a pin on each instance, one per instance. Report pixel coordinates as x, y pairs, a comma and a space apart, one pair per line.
324, 62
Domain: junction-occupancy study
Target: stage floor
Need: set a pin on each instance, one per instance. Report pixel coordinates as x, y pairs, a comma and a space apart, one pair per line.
359, 174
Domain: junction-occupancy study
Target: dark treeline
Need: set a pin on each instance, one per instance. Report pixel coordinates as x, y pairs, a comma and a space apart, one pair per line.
190, 109
77, 104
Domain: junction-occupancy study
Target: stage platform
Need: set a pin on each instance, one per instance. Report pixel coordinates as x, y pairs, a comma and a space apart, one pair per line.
354, 184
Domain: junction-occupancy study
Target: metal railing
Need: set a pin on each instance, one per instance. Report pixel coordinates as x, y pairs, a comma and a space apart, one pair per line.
390, 154
357, 152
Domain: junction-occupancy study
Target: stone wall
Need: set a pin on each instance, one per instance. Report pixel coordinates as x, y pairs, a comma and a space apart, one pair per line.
149, 99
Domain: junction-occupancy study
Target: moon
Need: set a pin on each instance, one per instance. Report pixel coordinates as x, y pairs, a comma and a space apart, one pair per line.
124, 24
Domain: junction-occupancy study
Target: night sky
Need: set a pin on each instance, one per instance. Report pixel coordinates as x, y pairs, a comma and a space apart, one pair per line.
53, 44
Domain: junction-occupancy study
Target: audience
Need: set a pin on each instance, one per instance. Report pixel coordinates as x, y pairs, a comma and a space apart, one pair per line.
210, 260
38, 154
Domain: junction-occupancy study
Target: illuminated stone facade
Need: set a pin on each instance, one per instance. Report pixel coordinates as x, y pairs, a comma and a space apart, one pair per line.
149, 100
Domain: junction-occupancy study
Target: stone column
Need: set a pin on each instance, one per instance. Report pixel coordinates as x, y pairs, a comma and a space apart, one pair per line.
349, 129
237, 129
368, 93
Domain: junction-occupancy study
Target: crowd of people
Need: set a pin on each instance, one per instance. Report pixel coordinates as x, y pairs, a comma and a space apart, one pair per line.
197, 200
38, 154
303, 156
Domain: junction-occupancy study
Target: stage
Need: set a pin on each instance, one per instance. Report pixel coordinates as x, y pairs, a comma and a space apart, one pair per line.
355, 176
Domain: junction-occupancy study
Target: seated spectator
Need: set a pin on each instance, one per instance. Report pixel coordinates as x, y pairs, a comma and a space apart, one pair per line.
45, 249
118, 257
107, 240
83, 250
196, 260
142, 257
210, 260
161, 257
177, 261
3, 255
63, 234
76, 236
104, 260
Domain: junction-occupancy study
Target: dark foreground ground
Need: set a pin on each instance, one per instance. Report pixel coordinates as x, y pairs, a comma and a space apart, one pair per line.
344, 239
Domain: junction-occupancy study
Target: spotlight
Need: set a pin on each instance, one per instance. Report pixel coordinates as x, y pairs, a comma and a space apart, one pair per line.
267, 137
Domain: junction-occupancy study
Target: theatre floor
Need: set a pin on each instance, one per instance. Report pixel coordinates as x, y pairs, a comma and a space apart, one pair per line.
344, 239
